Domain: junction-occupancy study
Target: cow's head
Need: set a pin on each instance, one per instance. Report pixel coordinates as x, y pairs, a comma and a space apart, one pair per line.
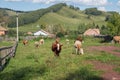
59, 46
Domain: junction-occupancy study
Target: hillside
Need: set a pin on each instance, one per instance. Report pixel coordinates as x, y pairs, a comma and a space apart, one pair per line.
61, 14
69, 17
66, 17
6, 14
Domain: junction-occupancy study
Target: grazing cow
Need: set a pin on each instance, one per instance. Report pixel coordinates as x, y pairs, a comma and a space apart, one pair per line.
37, 44
25, 42
78, 46
116, 39
56, 47
41, 41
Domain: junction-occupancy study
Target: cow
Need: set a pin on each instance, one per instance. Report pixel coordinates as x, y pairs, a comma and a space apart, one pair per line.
56, 47
25, 42
41, 41
37, 44
116, 39
78, 46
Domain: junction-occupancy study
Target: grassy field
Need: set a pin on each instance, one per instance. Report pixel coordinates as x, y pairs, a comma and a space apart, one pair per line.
32, 63
5, 43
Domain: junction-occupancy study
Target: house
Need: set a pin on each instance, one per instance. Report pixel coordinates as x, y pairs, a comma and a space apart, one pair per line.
43, 33
3, 31
29, 33
92, 32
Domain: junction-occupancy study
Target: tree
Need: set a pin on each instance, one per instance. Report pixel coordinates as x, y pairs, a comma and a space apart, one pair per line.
81, 28
92, 11
104, 30
114, 24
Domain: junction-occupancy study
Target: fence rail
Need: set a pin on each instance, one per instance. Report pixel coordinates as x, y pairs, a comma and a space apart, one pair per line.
6, 53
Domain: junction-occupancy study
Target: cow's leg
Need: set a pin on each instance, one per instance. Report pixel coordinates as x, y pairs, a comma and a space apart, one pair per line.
76, 51
81, 51
119, 41
57, 54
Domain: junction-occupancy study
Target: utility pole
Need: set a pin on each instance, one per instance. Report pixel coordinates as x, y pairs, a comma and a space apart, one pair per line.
17, 26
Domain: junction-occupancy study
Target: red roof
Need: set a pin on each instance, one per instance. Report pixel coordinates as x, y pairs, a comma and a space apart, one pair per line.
2, 29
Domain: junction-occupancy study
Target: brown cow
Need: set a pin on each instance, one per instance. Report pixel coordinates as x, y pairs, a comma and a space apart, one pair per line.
56, 47
25, 42
116, 39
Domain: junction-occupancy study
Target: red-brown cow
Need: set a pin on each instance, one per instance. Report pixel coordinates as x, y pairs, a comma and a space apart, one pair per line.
116, 39
25, 42
56, 47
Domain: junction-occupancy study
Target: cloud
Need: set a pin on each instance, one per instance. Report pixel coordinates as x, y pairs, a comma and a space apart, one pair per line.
118, 3
84, 2
13, 0
92, 2
43, 1
101, 8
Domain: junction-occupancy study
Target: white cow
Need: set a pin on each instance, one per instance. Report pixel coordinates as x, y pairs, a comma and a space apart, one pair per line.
78, 47
41, 41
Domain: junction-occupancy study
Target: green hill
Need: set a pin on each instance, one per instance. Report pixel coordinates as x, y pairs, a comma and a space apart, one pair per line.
66, 17
61, 14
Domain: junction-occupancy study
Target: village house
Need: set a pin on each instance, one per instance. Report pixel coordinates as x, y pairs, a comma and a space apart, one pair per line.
3, 31
43, 33
92, 32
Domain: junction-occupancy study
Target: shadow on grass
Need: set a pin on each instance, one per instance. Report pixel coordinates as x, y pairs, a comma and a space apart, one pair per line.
83, 74
23, 73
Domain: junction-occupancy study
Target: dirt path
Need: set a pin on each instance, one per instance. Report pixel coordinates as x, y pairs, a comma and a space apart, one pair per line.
109, 73
109, 49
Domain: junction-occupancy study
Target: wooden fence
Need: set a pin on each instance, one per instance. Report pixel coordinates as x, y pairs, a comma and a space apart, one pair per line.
6, 53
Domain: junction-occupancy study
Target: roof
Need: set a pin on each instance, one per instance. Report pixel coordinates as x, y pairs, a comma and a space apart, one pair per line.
2, 29
40, 33
92, 32
43, 33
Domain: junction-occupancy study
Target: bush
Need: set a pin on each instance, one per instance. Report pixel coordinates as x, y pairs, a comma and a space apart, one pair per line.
59, 34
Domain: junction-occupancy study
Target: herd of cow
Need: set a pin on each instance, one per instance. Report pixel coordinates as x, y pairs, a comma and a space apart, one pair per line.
56, 46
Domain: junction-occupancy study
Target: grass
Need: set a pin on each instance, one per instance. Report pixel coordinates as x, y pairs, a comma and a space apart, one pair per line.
32, 63
5, 43
105, 58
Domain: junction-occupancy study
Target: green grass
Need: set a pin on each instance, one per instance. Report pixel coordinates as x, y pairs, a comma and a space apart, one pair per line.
5, 43
105, 58
117, 69
32, 63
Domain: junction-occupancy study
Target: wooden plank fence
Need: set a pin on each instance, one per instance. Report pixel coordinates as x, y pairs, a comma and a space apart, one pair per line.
6, 53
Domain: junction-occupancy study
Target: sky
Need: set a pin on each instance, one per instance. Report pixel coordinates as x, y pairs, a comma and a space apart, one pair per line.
30, 5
